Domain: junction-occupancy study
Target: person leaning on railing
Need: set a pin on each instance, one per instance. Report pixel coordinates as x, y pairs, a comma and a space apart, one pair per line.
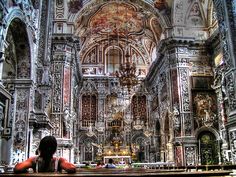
45, 162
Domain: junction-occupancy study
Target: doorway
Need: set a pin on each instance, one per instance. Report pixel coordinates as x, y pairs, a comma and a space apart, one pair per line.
208, 148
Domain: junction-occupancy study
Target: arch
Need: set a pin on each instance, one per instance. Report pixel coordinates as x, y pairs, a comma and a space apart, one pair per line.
18, 65
17, 53
87, 151
208, 148
210, 129
19, 14
195, 13
113, 59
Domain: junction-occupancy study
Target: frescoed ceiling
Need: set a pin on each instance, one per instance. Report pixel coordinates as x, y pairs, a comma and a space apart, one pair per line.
117, 18
118, 24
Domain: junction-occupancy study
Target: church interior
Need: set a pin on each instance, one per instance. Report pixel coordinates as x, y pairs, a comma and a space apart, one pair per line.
142, 81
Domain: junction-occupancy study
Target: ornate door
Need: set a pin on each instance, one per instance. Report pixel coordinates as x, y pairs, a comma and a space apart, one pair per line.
208, 149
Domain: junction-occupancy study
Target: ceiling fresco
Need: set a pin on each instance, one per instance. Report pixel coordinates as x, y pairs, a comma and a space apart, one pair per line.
117, 18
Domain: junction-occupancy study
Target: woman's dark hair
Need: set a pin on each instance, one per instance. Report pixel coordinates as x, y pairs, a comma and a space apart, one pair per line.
110, 161
47, 147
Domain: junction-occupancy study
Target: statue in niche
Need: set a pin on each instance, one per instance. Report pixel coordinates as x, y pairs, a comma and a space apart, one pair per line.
68, 118
23, 69
100, 148
195, 10
176, 117
46, 78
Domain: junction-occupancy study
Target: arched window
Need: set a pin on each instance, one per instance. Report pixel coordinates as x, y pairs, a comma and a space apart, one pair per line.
113, 60
89, 109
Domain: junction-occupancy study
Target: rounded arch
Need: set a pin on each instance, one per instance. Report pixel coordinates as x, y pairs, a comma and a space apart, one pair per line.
17, 61
83, 138
205, 129
113, 58
9, 18
208, 148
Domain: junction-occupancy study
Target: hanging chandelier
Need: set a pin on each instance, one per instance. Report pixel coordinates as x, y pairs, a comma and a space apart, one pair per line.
127, 71
127, 74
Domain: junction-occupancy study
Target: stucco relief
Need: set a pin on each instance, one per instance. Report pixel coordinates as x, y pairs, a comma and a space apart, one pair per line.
184, 89
190, 154
179, 14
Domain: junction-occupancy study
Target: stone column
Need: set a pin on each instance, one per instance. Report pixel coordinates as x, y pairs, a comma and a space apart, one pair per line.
21, 122
61, 115
181, 113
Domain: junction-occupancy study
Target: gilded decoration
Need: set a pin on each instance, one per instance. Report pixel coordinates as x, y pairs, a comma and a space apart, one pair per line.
205, 109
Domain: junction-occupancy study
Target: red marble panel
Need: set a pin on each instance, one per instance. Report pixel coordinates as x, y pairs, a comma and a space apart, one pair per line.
66, 87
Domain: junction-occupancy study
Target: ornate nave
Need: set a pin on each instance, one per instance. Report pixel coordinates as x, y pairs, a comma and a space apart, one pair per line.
144, 80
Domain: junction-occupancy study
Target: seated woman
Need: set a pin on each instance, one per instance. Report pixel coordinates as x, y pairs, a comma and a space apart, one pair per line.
45, 162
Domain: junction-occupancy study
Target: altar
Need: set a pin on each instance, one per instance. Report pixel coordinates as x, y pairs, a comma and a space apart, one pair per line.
117, 159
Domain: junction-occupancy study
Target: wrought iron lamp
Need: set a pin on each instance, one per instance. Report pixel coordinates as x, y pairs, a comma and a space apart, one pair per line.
127, 73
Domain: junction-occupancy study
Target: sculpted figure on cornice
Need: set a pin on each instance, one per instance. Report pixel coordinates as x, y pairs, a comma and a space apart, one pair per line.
175, 115
69, 118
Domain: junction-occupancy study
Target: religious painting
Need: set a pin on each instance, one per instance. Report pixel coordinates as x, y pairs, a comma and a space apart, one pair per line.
137, 58
205, 108
195, 16
157, 28
90, 57
116, 18
200, 68
202, 82
73, 6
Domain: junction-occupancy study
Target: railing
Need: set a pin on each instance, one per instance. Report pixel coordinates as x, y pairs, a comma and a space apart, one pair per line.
87, 123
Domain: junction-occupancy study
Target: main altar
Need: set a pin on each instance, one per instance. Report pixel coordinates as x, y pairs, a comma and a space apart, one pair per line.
118, 159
